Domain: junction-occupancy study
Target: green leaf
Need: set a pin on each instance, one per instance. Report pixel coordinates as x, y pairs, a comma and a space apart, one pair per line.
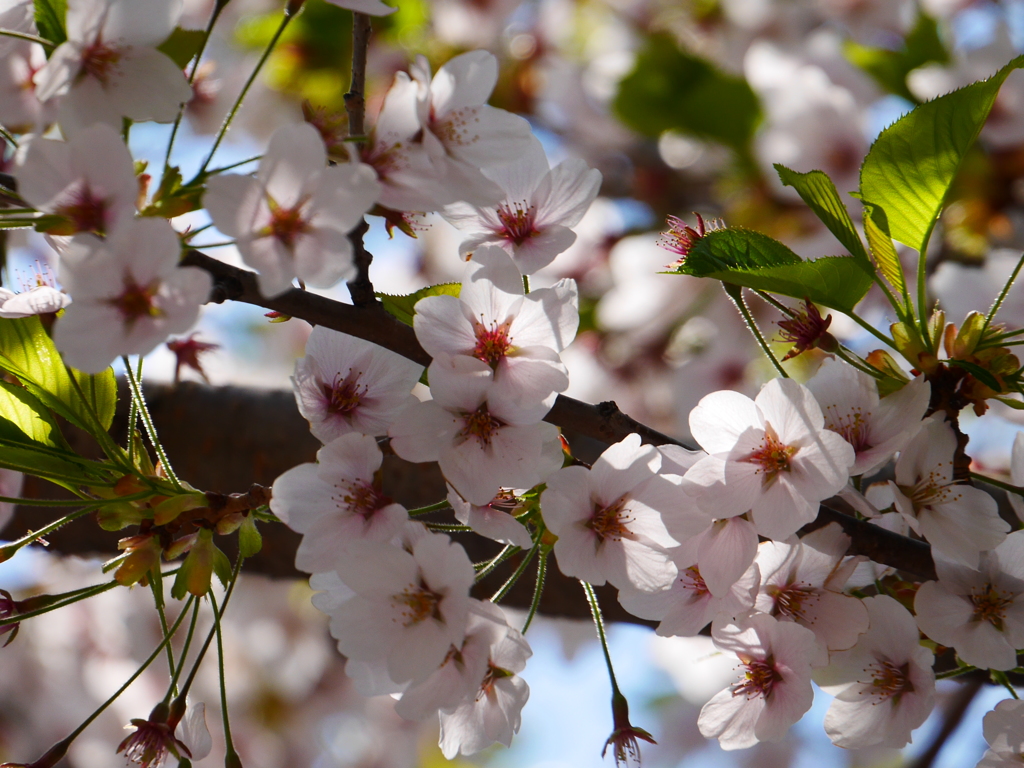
670, 89
889, 68
985, 377
221, 566
50, 19
876, 227
817, 190
403, 307
250, 542
28, 414
182, 45
59, 466
912, 164
26, 351
754, 260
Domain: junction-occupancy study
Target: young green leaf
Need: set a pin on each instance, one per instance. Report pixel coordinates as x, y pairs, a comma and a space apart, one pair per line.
403, 307
876, 228
50, 19
182, 45
751, 259
29, 415
817, 190
912, 164
250, 542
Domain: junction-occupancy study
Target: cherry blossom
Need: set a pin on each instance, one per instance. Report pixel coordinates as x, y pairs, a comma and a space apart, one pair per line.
884, 685
876, 428
88, 181
519, 335
1004, 732
958, 520
1017, 474
494, 519
774, 690
20, 110
722, 552
802, 580
979, 612
41, 300
293, 219
409, 608
345, 384
491, 713
481, 440
109, 66
685, 608
129, 294
771, 456
532, 223
337, 503
609, 518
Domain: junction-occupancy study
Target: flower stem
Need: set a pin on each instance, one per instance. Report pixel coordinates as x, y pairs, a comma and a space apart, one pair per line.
735, 293
26, 36
1002, 294
448, 527
288, 16
507, 586
595, 611
1008, 487
147, 422
229, 744
156, 585
436, 507
172, 688
538, 589
485, 568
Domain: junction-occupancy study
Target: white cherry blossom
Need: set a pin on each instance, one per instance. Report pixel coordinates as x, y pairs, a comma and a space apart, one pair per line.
884, 685
979, 612
88, 181
774, 690
20, 110
493, 519
532, 223
129, 294
492, 713
958, 520
722, 552
109, 66
1004, 731
876, 428
293, 219
345, 384
609, 519
409, 608
519, 335
40, 300
337, 503
482, 441
771, 456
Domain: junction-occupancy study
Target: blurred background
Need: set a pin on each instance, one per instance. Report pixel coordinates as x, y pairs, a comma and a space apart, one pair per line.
683, 105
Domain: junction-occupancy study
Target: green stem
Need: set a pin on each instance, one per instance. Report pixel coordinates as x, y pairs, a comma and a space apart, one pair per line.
288, 15
229, 744
228, 167
1002, 294
595, 611
172, 687
133, 417
922, 280
26, 36
436, 507
998, 483
507, 586
222, 244
485, 568
844, 354
870, 329
147, 422
735, 293
538, 589
448, 527
156, 585
99, 433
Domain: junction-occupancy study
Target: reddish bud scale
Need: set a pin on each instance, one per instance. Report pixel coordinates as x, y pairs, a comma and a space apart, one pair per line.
807, 330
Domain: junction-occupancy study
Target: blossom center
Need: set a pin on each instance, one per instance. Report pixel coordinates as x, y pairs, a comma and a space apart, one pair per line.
611, 522
693, 581
772, 457
492, 344
98, 61
517, 222
151, 743
481, 425
759, 679
889, 681
286, 224
931, 489
136, 301
362, 499
852, 427
344, 395
990, 606
418, 602
86, 211
789, 599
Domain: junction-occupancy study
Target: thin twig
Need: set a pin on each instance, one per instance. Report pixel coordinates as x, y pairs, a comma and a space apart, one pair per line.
360, 287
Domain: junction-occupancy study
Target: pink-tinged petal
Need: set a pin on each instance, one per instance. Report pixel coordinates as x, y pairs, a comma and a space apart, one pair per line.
1017, 473
721, 418
902, 411
622, 467
420, 430
269, 257
459, 382
293, 494
539, 250
731, 719
568, 192
464, 81
323, 257
980, 644
678, 517
1010, 555
726, 552
341, 195
837, 620
566, 500
233, 201
963, 529
930, 452
639, 564
782, 510
1002, 727
442, 326
141, 22
295, 154
789, 701
60, 71
152, 87
791, 410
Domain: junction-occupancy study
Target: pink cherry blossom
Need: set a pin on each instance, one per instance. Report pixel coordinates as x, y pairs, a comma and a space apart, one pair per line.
1004, 732
482, 441
876, 428
293, 219
722, 552
532, 223
491, 713
494, 519
492, 320
89, 180
109, 66
129, 294
20, 109
884, 685
774, 689
611, 519
771, 456
802, 580
979, 612
345, 384
958, 520
337, 503
409, 608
